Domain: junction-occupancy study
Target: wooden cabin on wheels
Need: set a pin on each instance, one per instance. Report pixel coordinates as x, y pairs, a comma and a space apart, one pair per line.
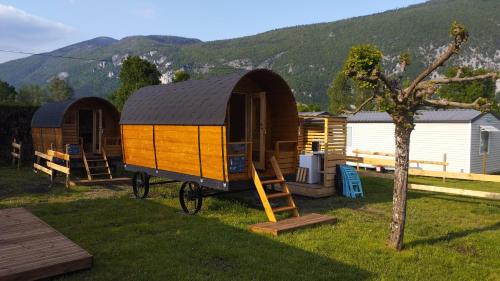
223, 133
85, 128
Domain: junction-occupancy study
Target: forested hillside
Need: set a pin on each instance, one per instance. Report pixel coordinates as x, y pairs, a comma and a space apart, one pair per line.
307, 56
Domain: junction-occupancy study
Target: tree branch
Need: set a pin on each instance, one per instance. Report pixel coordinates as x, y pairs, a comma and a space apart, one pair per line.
429, 87
491, 75
452, 49
445, 103
387, 83
362, 105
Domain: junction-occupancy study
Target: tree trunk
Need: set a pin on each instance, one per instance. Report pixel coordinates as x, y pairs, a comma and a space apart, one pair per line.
402, 134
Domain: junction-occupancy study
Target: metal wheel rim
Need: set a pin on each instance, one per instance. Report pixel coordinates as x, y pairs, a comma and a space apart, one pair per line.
191, 197
140, 186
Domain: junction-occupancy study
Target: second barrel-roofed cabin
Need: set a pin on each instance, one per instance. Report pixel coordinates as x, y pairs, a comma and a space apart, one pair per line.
87, 128
210, 131
92, 122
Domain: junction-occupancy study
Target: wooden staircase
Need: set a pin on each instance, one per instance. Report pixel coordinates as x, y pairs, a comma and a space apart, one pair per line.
96, 165
292, 223
260, 185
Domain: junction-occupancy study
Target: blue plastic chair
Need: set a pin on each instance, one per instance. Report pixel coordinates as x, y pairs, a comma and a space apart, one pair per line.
351, 183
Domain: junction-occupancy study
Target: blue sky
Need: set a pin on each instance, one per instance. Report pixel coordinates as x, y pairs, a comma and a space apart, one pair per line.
38, 26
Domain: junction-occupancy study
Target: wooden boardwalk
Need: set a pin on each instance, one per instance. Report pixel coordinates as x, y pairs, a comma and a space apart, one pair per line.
291, 224
30, 249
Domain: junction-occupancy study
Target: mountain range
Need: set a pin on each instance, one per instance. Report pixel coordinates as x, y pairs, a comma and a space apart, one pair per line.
307, 56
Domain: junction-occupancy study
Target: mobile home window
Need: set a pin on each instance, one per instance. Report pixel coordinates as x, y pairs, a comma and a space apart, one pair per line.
484, 140
349, 136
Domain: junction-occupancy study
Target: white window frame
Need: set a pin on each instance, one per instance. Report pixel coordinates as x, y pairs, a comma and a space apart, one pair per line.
481, 140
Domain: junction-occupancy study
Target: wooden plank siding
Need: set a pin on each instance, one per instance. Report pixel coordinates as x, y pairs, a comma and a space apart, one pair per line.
43, 138
331, 132
177, 149
213, 149
138, 145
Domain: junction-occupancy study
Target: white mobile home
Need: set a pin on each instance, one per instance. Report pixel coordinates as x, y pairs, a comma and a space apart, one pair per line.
464, 135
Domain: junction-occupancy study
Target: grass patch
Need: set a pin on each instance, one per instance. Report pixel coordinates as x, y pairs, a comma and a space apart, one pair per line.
447, 237
462, 184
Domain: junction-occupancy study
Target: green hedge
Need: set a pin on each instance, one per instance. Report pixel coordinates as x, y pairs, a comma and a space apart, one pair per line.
15, 122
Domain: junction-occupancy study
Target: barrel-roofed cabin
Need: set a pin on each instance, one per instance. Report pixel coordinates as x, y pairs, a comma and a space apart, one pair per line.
209, 131
91, 123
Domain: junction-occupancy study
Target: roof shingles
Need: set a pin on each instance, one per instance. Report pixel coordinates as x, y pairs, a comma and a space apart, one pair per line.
423, 116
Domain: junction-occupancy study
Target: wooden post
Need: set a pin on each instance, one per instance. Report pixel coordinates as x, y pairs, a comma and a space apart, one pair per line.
485, 160
325, 154
12, 154
16, 154
20, 155
444, 167
250, 160
68, 166
357, 162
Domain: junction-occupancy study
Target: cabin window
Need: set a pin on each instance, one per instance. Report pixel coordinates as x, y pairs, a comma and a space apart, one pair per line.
349, 136
484, 141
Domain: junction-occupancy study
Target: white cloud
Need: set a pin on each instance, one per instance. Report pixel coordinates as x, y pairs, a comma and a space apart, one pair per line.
22, 31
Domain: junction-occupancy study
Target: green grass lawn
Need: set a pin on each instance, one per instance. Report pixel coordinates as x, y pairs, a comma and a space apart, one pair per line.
447, 237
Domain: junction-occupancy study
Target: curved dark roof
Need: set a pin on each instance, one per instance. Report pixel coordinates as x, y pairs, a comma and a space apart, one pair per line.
51, 115
193, 102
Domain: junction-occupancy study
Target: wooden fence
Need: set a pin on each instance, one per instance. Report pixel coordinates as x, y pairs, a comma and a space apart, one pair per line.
390, 162
54, 162
418, 172
16, 154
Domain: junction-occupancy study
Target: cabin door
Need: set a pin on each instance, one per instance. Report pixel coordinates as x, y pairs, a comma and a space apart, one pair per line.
90, 129
258, 129
85, 128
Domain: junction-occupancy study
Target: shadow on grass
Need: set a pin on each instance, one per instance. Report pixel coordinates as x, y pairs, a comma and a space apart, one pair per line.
146, 240
462, 199
376, 190
453, 235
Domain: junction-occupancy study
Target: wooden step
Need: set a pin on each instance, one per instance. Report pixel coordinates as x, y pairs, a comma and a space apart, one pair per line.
98, 167
278, 195
284, 209
274, 181
96, 160
291, 224
100, 174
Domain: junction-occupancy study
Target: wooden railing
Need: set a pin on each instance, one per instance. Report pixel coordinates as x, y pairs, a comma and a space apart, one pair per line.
112, 145
285, 153
51, 166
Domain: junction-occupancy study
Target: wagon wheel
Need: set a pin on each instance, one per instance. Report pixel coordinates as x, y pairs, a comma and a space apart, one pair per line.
140, 185
190, 197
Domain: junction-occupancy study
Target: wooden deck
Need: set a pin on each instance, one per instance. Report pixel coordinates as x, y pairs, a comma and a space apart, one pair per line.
309, 190
291, 224
114, 181
30, 249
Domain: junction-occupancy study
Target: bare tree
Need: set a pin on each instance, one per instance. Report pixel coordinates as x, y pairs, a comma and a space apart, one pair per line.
364, 65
